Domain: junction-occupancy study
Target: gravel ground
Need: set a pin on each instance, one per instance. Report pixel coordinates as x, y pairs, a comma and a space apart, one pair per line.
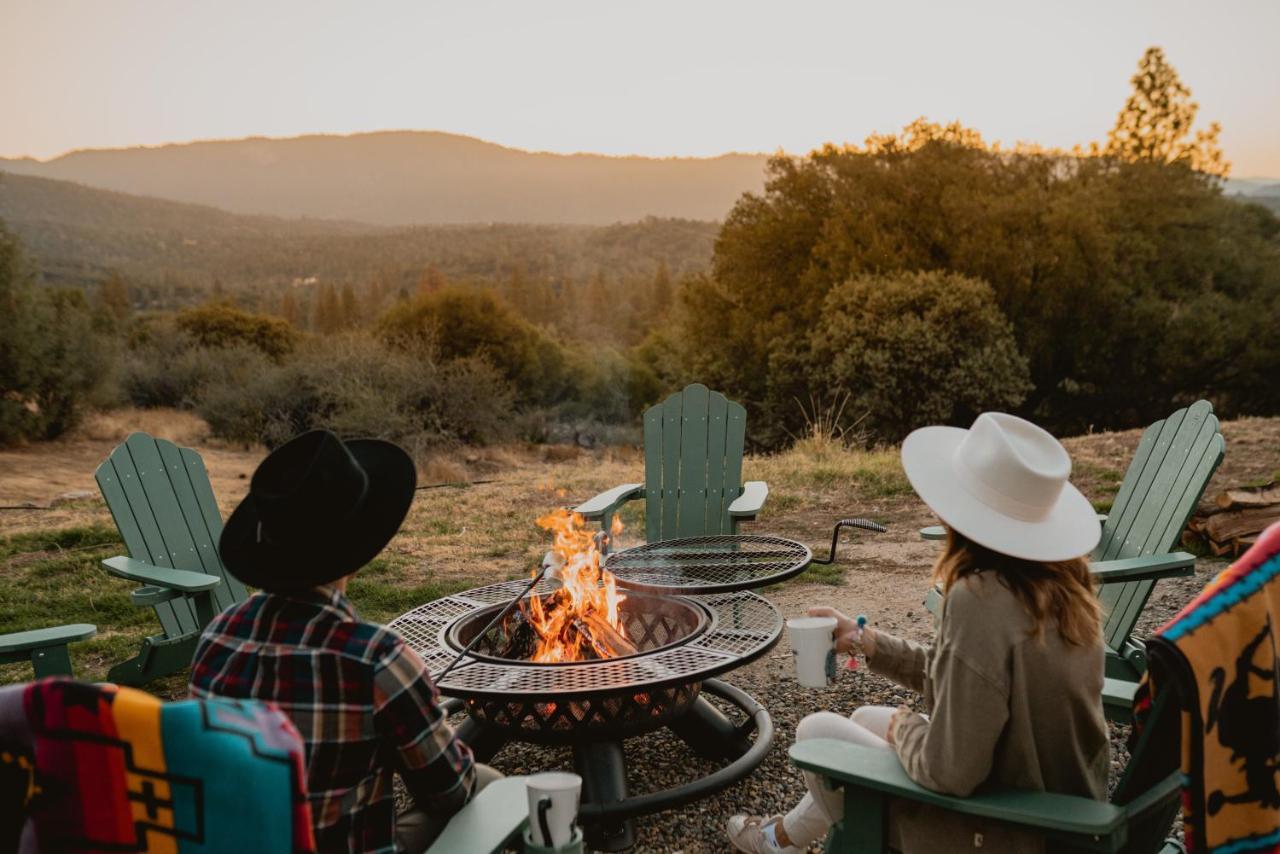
889, 592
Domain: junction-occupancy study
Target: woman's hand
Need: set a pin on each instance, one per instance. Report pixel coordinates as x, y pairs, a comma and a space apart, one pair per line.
898, 716
849, 638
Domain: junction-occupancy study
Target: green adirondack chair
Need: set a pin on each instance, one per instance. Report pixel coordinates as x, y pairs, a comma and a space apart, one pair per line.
46, 649
693, 445
163, 504
1135, 821
1169, 472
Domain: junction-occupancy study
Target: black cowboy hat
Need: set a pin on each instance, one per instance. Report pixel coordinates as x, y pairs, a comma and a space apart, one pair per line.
318, 508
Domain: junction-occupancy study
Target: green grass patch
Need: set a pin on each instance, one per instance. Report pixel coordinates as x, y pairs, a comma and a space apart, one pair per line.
55, 577
1102, 505
60, 539
823, 573
440, 526
383, 600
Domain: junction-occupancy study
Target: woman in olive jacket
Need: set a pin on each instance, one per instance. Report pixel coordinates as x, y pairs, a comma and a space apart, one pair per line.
1013, 679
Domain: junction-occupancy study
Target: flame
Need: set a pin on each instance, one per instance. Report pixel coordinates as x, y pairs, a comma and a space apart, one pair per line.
588, 598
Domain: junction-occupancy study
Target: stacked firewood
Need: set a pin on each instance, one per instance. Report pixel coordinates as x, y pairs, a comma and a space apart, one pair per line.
1230, 522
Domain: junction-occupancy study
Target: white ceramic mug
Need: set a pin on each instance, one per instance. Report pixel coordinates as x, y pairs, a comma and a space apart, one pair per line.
813, 646
553, 807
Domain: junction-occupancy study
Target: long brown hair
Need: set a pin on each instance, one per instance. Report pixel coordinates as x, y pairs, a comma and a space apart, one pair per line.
1061, 591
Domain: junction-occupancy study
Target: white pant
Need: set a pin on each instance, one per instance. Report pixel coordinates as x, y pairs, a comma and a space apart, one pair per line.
810, 819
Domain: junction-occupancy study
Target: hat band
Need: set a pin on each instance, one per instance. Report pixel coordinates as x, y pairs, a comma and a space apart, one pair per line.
993, 498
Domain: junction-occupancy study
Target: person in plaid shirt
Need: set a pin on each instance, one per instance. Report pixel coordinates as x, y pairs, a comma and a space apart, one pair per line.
317, 510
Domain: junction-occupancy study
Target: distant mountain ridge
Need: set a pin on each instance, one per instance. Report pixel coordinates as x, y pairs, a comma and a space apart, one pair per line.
176, 251
412, 178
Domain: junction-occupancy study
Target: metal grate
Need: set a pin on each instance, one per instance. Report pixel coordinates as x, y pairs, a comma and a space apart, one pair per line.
740, 627
698, 565
563, 721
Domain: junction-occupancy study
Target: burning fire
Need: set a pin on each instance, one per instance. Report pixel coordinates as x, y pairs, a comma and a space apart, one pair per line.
580, 620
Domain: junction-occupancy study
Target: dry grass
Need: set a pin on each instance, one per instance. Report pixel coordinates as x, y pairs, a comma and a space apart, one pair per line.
183, 428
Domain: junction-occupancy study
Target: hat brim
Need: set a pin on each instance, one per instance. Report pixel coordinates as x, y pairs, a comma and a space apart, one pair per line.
1070, 529
332, 551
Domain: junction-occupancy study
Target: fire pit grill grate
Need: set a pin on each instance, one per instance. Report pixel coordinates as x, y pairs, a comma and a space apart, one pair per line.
739, 628
699, 565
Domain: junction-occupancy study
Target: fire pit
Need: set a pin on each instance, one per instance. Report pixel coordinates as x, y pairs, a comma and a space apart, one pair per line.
593, 704
573, 658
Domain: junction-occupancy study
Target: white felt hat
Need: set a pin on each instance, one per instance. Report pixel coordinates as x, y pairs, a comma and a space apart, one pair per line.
1003, 484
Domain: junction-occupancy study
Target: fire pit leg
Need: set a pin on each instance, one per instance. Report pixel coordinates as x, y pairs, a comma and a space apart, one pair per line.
709, 733
604, 781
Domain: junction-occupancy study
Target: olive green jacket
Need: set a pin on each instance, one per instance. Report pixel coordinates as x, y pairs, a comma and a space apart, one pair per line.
1005, 707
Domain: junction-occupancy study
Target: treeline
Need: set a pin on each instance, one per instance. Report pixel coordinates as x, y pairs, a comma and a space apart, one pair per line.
928, 277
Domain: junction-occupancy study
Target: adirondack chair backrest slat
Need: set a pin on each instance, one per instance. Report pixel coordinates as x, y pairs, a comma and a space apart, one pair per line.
693, 463
163, 504
1170, 470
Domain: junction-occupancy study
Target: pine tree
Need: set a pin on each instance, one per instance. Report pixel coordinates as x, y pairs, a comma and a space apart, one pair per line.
374, 296
290, 309
113, 302
350, 307
1156, 121
597, 300
662, 290
328, 312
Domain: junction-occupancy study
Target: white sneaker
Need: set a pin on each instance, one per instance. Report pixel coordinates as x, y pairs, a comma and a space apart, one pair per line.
746, 833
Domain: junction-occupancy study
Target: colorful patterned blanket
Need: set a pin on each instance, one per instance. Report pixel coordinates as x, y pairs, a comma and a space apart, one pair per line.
1219, 654
115, 769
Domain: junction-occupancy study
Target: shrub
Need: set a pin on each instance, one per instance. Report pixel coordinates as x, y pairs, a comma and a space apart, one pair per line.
174, 371
357, 386
918, 348
51, 359
218, 325
457, 323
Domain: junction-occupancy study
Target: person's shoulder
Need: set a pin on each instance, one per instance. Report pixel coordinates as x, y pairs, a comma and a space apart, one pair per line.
983, 596
368, 642
241, 614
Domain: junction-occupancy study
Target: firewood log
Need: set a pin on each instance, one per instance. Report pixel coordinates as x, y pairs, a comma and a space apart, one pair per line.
1250, 496
518, 640
599, 635
1225, 527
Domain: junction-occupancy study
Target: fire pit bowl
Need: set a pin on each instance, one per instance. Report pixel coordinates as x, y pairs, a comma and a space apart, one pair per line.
681, 642
651, 623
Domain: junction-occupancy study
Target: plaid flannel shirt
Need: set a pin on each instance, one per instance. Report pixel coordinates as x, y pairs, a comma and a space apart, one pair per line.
359, 696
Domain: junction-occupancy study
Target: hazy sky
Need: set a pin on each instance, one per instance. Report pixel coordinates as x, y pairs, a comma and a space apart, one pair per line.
652, 77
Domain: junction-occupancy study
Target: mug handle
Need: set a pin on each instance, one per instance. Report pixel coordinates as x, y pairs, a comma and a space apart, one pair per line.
544, 807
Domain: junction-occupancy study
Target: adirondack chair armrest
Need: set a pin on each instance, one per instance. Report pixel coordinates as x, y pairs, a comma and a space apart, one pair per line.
493, 819
160, 576
608, 502
41, 638
748, 504
1143, 567
878, 770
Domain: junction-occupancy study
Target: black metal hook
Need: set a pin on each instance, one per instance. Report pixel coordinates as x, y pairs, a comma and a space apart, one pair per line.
864, 524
